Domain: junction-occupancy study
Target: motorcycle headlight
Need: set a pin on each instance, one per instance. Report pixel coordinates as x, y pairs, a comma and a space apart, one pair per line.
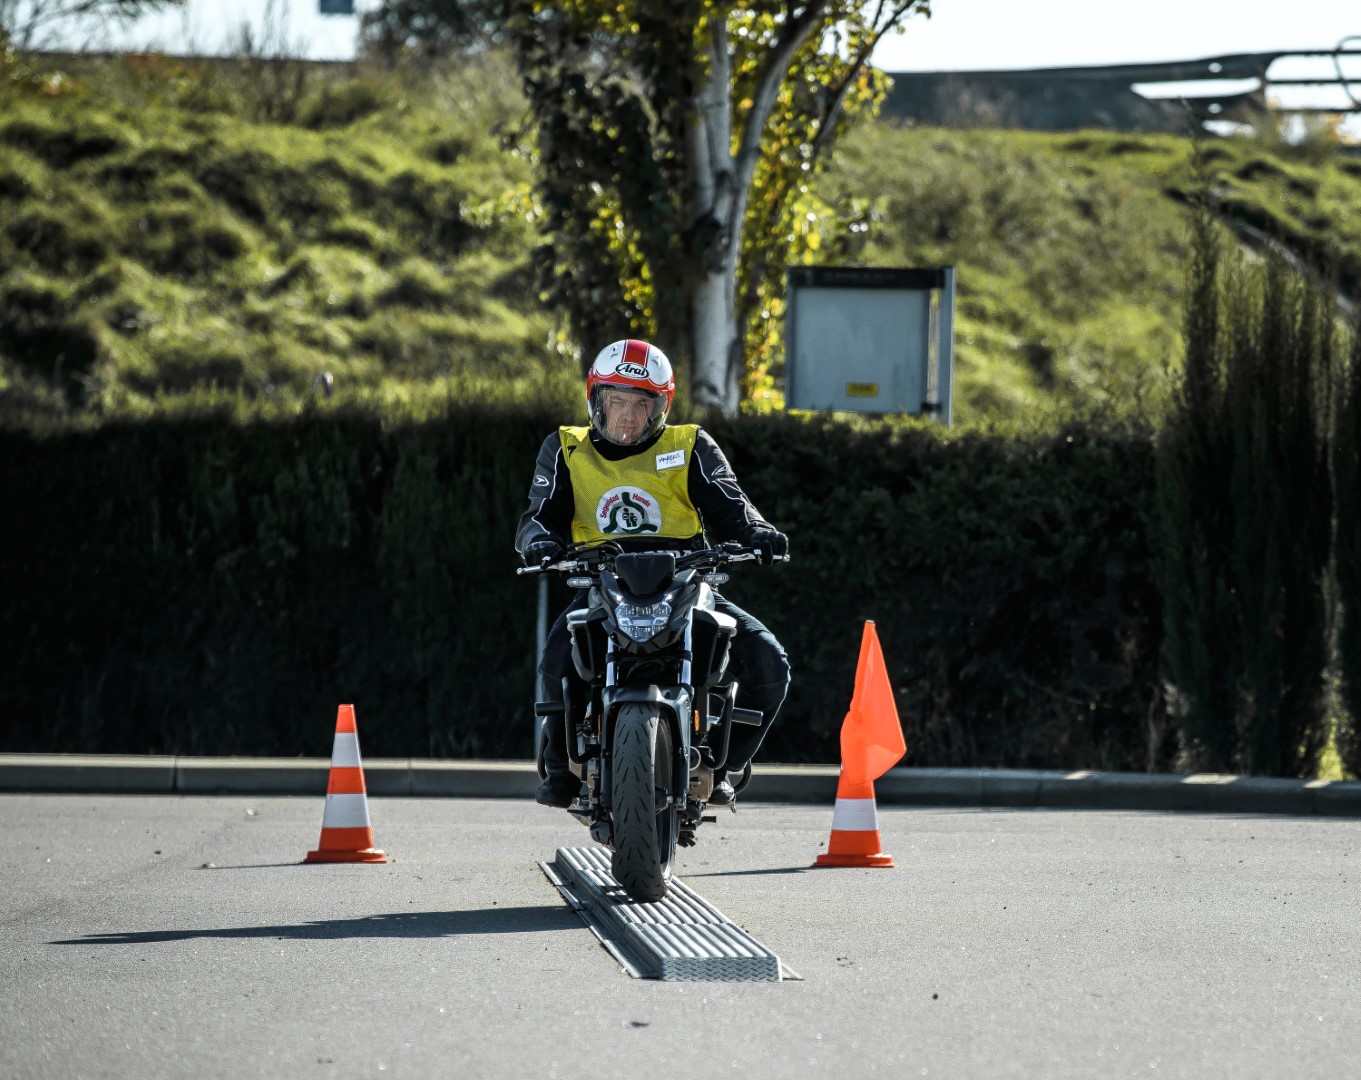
642, 622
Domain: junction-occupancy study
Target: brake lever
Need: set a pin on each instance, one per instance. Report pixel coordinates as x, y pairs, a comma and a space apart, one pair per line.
752, 556
566, 567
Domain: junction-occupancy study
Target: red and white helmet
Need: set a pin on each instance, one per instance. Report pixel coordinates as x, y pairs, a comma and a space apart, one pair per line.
637, 366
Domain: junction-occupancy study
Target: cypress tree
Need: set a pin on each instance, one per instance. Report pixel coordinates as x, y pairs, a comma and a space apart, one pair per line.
1195, 519
1245, 509
1347, 548
1276, 381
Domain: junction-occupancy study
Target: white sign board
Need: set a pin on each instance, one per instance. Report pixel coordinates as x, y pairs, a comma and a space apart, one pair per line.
870, 340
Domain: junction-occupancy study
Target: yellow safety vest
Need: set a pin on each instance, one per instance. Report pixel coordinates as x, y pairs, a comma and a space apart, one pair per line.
642, 495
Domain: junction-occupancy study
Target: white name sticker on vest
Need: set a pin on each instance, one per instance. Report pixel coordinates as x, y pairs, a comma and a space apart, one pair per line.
673, 460
628, 511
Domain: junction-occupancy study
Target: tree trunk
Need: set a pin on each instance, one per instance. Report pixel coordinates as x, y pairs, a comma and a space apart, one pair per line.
720, 182
713, 239
713, 383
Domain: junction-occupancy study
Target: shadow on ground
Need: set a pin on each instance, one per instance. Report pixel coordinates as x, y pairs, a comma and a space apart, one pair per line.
748, 873
417, 924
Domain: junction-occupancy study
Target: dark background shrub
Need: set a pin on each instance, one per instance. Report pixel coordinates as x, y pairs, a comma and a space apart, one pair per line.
199, 586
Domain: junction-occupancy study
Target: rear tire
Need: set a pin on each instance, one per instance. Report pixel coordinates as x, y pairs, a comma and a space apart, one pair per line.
644, 821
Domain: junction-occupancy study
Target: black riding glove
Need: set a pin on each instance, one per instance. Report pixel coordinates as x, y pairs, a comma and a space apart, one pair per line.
769, 544
544, 551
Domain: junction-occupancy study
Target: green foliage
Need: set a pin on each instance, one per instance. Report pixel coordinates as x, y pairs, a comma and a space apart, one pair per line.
151, 245
1069, 257
216, 580
1009, 578
341, 105
1246, 509
41, 323
1278, 384
258, 572
620, 140
1194, 457
432, 28
1347, 546
60, 147
1071, 248
787, 223
148, 224
212, 549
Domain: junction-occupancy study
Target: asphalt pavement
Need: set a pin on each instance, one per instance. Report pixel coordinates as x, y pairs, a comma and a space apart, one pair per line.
158, 937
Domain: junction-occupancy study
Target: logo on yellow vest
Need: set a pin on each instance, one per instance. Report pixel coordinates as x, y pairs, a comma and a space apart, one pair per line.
627, 511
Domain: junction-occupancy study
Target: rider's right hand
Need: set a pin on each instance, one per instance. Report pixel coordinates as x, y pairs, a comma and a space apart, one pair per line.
542, 552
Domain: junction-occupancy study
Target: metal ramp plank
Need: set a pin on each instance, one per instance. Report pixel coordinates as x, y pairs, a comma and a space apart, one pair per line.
682, 937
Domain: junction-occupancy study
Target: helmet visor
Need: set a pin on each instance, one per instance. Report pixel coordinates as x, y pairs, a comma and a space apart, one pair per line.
625, 415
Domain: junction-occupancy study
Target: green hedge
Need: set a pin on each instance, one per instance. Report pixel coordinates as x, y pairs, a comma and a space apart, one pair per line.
201, 586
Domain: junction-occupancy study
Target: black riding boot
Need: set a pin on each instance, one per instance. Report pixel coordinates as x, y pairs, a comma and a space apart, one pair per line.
560, 785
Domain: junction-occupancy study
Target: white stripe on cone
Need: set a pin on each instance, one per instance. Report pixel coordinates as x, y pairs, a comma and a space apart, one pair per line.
855, 815
345, 750
345, 812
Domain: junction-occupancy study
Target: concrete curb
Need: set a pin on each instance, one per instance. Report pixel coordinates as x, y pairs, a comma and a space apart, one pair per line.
112, 774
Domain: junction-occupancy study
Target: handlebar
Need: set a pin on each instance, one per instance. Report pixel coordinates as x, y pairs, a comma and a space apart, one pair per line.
597, 557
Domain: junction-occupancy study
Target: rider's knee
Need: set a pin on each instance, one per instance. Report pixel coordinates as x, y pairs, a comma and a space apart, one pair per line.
769, 665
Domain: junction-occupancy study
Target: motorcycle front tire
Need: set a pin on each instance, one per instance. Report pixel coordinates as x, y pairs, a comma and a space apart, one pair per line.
644, 827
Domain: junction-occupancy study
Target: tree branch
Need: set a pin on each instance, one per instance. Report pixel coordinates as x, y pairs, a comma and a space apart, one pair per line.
832, 113
792, 35
43, 13
715, 102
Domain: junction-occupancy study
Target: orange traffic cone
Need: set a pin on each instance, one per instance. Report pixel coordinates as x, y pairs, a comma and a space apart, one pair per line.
855, 828
346, 835
871, 741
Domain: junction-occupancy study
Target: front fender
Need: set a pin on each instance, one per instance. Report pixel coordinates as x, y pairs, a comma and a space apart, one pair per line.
673, 702
674, 707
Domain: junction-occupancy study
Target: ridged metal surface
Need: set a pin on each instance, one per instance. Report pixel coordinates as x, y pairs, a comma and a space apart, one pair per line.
683, 937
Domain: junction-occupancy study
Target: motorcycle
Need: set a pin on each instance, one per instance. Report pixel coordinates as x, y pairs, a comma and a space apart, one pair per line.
649, 716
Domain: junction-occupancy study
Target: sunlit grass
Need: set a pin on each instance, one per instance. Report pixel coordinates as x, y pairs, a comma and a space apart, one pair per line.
163, 229
1070, 248
159, 238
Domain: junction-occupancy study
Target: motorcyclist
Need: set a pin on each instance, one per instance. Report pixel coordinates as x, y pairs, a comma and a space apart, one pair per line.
631, 478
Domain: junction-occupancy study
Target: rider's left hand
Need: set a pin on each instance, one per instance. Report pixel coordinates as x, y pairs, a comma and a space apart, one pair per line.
769, 544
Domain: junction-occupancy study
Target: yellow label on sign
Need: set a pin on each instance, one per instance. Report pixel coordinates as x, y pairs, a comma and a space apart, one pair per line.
862, 389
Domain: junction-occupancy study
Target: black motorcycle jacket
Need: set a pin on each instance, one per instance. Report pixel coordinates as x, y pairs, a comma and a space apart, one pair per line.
724, 509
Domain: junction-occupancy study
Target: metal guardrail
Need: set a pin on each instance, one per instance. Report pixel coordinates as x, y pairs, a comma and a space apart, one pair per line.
1258, 66
1341, 79
1068, 98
